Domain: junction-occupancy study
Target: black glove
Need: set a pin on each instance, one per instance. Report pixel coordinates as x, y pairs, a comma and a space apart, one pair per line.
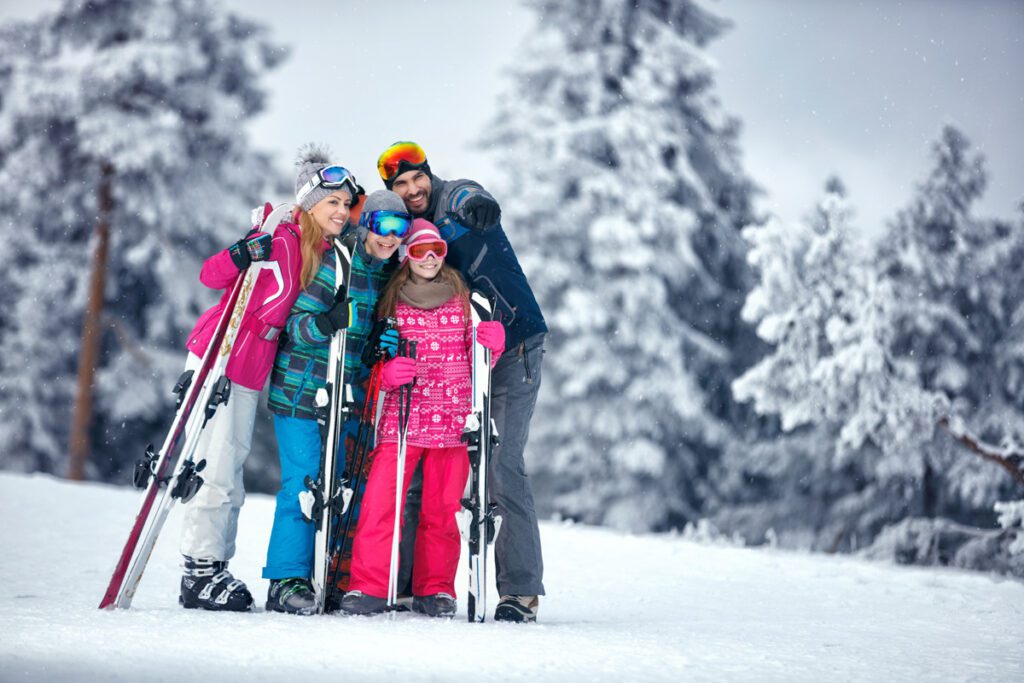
337, 317
479, 213
255, 246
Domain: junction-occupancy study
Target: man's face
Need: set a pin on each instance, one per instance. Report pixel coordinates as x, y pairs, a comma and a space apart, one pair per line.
414, 189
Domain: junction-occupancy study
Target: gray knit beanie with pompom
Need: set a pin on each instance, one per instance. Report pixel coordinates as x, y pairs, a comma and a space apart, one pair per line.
311, 158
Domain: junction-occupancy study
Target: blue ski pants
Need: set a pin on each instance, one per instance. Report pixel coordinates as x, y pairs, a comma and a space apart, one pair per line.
290, 552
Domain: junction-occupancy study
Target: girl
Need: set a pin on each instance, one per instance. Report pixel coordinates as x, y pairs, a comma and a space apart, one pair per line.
431, 303
301, 365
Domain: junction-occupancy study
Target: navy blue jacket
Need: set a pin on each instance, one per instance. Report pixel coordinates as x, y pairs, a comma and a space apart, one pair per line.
486, 260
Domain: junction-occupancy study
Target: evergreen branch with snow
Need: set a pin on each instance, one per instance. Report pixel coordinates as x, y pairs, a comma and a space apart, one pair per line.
1010, 459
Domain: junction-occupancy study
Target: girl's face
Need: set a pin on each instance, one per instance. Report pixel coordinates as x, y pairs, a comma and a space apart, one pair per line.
428, 268
380, 246
332, 212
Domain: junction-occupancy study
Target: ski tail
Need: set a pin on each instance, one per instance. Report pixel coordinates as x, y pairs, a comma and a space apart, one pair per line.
159, 472
476, 519
332, 402
165, 463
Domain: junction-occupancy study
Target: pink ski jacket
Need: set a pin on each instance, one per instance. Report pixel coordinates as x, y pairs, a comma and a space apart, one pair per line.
442, 394
252, 355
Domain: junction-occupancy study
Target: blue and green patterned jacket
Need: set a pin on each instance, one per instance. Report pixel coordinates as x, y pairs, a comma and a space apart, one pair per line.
300, 367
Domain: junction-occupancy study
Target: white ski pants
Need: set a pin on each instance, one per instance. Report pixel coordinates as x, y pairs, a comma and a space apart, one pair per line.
211, 517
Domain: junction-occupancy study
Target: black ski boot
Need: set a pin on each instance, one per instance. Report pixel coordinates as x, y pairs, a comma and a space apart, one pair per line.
358, 602
520, 609
291, 596
207, 584
439, 605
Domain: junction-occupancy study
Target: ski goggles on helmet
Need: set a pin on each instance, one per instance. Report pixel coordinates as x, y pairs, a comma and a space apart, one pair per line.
399, 156
333, 178
421, 250
385, 223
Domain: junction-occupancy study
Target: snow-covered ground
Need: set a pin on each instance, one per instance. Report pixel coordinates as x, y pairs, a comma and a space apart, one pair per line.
620, 607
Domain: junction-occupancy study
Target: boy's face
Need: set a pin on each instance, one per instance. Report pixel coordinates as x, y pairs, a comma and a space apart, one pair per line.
381, 247
414, 189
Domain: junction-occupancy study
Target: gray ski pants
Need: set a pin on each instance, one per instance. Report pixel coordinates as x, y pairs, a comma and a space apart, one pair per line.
210, 525
515, 382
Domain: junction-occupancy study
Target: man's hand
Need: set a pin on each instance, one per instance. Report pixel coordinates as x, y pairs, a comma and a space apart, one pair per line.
479, 212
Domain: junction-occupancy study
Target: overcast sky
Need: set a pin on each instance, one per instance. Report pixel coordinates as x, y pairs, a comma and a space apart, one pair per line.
822, 86
861, 88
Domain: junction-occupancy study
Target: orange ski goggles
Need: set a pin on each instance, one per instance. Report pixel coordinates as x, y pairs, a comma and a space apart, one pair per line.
421, 250
400, 157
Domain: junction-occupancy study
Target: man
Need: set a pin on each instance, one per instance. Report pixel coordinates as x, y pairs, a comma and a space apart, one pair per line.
470, 221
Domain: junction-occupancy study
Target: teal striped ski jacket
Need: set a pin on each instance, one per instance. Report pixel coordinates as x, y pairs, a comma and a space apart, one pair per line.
300, 367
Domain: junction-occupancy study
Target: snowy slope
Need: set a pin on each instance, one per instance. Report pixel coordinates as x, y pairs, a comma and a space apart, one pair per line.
620, 607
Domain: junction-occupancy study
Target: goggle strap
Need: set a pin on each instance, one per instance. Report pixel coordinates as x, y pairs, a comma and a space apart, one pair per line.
316, 182
307, 188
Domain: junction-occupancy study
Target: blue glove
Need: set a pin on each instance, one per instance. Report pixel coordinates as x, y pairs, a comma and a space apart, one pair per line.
389, 342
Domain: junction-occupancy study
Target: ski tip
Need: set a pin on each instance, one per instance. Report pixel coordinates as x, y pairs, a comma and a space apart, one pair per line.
274, 215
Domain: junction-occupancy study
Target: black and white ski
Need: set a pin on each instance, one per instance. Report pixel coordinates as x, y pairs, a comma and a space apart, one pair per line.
327, 498
171, 474
477, 520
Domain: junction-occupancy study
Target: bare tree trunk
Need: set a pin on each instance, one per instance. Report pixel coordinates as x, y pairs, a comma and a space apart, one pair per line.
91, 333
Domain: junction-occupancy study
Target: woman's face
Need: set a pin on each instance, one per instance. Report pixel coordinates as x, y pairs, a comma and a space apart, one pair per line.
428, 268
381, 247
332, 212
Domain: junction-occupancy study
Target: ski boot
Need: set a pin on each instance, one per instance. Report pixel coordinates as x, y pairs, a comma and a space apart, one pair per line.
358, 602
291, 596
207, 584
438, 605
520, 609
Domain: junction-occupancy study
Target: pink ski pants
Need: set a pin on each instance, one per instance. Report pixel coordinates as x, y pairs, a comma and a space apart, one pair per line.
436, 553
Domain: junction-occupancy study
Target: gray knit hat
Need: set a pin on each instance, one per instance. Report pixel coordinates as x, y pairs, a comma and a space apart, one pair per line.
384, 200
312, 158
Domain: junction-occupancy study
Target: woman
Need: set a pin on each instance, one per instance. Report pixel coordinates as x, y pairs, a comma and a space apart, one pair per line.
301, 364
431, 304
211, 517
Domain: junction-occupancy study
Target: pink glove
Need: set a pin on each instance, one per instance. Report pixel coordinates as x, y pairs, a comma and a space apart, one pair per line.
398, 371
491, 335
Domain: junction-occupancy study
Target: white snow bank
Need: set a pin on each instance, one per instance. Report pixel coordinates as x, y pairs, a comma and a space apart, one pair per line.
638, 608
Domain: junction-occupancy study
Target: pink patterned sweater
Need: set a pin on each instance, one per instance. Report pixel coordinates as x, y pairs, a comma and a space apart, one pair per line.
442, 392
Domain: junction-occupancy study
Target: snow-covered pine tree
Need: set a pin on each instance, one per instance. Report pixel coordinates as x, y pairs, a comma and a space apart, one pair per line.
959, 284
820, 305
624, 198
159, 90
